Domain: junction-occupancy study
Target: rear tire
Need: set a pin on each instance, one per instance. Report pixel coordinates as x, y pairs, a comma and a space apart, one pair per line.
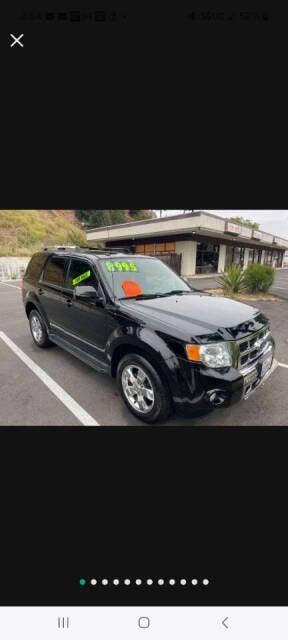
142, 389
38, 330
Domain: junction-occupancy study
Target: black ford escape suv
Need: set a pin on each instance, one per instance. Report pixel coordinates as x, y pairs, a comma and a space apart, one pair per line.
169, 346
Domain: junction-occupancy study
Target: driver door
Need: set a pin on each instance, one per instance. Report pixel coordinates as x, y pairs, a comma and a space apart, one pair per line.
85, 320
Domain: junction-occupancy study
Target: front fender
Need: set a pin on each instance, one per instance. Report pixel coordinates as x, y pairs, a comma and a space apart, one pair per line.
150, 343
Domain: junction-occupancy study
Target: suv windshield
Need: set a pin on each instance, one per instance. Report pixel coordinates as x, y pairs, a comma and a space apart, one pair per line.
140, 277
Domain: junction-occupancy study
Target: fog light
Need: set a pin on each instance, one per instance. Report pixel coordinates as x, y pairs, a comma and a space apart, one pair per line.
216, 397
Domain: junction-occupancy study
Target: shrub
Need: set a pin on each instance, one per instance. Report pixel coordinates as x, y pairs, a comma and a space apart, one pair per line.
259, 277
233, 280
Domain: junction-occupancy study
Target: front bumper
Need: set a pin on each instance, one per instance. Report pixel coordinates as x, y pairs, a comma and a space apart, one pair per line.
200, 387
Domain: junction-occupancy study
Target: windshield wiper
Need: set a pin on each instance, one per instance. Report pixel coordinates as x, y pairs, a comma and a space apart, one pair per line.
158, 294
175, 292
142, 296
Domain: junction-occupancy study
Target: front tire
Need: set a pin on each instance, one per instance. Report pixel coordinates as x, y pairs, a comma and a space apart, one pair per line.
142, 389
38, 330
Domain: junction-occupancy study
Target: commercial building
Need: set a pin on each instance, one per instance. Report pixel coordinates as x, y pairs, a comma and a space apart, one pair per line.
195, 243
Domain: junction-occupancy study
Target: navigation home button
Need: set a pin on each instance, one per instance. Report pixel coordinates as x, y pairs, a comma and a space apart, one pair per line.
144, 623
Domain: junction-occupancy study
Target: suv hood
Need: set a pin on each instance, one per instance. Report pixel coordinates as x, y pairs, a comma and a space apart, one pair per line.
201, 316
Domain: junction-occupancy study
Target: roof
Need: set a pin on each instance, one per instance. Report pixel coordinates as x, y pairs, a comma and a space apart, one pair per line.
187, 223
84, 251
154, 220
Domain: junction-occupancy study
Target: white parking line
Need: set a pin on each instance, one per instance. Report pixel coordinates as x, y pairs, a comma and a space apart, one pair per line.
62, 395
281, 364
14, 286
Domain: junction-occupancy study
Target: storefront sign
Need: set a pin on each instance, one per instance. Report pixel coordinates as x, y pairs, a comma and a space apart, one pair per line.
267, 237
277, 241
245, 232
256, 235
232, 227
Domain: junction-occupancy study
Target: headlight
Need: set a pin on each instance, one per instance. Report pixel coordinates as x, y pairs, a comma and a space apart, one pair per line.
215, 355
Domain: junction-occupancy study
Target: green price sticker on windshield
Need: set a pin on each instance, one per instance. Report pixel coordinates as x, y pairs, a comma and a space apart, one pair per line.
120, 266
82, 277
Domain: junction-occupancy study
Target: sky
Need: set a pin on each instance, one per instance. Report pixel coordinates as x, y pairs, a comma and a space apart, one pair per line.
272, 221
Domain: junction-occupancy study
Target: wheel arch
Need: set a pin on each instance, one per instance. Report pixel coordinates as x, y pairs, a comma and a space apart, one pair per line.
29, 307
32, 303
146, 352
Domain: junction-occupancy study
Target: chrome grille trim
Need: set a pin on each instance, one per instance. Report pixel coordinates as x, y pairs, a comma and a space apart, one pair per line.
251, 352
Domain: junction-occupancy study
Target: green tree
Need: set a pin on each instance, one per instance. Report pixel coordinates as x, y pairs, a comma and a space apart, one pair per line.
82, 215
107, 217
245, 222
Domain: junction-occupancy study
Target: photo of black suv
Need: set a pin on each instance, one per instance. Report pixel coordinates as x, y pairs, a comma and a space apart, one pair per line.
169, 346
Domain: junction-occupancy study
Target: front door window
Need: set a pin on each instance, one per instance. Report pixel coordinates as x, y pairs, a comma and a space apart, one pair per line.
80, 272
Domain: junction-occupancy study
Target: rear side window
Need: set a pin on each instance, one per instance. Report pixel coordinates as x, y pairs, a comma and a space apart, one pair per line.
54, 272
80, 272
34, 267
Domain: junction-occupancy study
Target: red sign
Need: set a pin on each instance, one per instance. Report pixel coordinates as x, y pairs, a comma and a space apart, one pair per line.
246, 232
232, 227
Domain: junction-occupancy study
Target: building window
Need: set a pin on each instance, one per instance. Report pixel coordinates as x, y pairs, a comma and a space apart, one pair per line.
238, 255
277, 258
229, 257
155, 248
258, 256
255, 256
268, 257
251, 256
234, 255
207, 257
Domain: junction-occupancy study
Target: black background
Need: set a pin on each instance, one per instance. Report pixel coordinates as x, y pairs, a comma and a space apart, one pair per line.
150, 111
143, 503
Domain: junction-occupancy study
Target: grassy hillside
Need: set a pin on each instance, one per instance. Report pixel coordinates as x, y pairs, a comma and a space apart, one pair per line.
22, 232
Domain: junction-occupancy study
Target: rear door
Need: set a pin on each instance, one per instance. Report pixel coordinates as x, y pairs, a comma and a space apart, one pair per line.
51, 290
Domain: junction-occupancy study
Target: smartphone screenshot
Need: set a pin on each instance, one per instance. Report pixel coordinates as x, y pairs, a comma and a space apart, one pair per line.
143, 351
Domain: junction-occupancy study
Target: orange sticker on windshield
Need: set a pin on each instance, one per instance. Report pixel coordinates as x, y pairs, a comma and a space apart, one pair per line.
131, 288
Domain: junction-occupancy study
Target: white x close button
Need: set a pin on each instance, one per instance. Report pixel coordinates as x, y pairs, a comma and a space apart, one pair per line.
16, 40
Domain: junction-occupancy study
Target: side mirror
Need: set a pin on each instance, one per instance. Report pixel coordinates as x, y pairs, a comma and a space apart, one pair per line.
84, 292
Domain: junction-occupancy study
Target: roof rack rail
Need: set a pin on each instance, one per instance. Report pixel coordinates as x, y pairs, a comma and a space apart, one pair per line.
108, 249
82, 248
59, 247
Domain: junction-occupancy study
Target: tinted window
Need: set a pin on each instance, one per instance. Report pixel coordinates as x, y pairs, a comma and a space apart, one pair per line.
55, 271
80, 272
34, 267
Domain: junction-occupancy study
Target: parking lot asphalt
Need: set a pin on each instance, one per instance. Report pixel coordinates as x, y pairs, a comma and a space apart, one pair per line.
280, 286
74, 389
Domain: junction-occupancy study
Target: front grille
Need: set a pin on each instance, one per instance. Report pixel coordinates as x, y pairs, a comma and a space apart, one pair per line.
250, 349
